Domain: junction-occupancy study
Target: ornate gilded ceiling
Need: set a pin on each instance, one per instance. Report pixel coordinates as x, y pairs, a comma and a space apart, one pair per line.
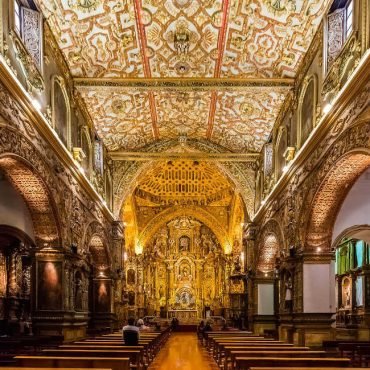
184, 183
183, 39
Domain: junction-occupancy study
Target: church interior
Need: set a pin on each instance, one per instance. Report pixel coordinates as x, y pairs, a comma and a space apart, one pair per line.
199, 168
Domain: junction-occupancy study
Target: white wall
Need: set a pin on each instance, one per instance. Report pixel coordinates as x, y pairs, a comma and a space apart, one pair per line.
265, 299
355, 209
13, 209
319, 288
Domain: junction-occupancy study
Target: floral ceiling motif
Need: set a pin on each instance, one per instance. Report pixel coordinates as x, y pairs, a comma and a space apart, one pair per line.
208, 39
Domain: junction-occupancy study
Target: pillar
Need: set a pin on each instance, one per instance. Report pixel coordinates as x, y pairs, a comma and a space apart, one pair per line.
313, 299
264, 317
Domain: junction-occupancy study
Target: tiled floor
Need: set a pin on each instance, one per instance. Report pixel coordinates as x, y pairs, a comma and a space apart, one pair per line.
183, 351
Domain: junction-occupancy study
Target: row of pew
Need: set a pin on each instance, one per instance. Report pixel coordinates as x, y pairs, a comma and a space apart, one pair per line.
103, 352
244, 351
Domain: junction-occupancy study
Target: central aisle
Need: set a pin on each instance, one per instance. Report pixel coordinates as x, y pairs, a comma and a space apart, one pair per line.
183, 351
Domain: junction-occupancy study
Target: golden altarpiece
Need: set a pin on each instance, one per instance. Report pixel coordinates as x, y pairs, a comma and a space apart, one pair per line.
182, 273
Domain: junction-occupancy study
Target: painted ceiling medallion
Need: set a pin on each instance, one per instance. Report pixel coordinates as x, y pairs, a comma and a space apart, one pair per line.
84, 5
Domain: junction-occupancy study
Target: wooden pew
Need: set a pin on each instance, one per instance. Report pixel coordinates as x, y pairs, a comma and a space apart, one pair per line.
135, 355
50, 368
233, 354
214, 344
144, 349
225, 350
245, 363
303, 368
73, 362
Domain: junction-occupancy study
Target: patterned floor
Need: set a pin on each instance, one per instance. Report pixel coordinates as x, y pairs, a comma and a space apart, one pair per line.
183, 352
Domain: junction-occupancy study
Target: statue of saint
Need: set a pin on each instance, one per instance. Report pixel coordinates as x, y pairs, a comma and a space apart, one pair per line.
288, 294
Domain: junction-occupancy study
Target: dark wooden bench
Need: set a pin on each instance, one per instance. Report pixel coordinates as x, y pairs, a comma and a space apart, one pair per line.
233, 354
245, 363
74, 362
135, 355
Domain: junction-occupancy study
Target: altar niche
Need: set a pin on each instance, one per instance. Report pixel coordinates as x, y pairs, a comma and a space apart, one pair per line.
183, 270
352, 282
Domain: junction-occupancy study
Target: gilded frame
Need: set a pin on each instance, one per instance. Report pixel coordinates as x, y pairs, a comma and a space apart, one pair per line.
55, 79
305, 85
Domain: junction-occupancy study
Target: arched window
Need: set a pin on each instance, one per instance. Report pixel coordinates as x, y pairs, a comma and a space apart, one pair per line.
108, 189
87, 149
98, 155
307, 109
61, 110
280, 148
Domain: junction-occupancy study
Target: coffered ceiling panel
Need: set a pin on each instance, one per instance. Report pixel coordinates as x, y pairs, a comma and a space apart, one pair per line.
182, 36
182, 112
268, 38
98, 38
244, 120
123, 120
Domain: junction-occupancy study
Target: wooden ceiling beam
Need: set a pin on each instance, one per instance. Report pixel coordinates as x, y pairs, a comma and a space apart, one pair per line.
183, 83
147, 156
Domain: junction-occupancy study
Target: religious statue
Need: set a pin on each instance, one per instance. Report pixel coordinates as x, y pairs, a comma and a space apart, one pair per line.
288, 294
184, 244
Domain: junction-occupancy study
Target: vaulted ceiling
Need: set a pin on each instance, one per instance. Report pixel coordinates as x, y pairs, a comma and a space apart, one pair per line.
216, 70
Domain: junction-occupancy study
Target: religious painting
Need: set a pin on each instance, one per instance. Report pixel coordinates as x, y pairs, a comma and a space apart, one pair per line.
131, 276
102, 296
347, 293
131, 298
49, 287
184, 244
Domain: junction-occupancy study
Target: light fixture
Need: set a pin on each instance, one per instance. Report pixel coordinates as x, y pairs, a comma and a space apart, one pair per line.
327, 108
263, 202
318, 249
266, 274
125, 256
36, 104
285, 168
81, 169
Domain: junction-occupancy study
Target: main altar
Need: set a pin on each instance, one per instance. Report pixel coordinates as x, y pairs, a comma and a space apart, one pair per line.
183, 272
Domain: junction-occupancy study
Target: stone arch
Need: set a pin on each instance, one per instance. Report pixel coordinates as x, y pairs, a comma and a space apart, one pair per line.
330, 194
29, 183
269, 244
96, 245
357, 231
197, 212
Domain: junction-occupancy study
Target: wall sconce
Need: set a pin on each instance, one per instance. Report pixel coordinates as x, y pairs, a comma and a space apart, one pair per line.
138, 248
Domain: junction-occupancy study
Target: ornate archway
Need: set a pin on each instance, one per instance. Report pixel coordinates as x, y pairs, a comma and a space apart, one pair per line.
269, 243
37, 197
330, 195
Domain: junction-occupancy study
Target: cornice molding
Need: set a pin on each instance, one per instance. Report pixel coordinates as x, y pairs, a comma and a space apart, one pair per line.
42, 126
183, 83
349, 91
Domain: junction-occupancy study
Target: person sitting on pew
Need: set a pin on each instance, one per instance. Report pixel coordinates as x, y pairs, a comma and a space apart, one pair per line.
131, 333
207, 327
140, 324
